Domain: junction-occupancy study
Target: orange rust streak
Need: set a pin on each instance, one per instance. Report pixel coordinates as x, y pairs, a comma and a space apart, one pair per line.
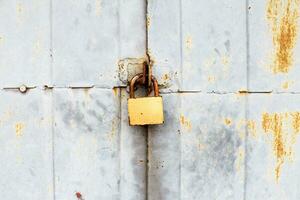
272, 123
296, 121
283, 20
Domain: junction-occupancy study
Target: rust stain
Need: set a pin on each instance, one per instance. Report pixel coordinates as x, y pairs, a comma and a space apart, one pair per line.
283, 21
19, 129
279, 125
240, 159
227, 121
115, 91
186, 123
211, 79
166, 77
19, 10
98, 7
296, 121
251, 126
272, 123
79, 196
148, 21
286, 85
188, 42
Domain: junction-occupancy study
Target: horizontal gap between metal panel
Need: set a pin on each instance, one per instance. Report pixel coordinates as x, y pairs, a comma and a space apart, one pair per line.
46, 87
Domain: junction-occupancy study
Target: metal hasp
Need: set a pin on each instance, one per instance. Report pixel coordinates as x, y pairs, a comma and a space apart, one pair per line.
145, 110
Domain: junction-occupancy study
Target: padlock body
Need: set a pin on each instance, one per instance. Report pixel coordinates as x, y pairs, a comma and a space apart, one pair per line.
145, 111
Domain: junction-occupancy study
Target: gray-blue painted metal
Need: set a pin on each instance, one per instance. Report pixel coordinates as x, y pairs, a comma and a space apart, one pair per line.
72, 140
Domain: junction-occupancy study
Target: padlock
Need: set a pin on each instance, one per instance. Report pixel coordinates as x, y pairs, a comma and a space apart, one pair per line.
145, 110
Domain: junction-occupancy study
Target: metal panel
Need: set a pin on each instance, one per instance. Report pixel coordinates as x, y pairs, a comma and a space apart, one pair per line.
204, 48
214, 45
87, 143
273, 147
133, 156
26, 145
164, 41
164, 153
274, 45
212, 146
96, 153
24, 43
199, 152
90, 37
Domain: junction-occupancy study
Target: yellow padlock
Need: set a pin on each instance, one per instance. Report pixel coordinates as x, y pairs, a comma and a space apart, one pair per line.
145, 110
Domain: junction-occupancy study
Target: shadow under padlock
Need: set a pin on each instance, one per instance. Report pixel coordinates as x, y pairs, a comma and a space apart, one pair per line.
145, 110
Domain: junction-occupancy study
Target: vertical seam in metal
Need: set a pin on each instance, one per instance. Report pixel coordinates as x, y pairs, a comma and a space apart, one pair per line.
120, 143
180, 46
180, 99
147, 128
52, 97
246, 100
119, 29
120, 101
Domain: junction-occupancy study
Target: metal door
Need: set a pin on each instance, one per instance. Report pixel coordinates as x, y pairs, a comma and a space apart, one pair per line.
227, 72
231, 92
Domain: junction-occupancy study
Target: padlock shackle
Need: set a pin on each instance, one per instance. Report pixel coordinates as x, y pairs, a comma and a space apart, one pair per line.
137, 78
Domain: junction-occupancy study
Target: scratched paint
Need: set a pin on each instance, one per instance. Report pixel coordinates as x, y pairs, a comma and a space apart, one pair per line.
282, 16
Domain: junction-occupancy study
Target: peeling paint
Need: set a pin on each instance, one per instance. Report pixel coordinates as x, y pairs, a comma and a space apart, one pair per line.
186, 123
19, 129
283, 21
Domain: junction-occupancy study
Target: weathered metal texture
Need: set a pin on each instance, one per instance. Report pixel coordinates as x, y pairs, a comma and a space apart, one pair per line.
24, 43
164, 42
199, 152
86, 143
26, 168
274, 45
164, 153
92, 156
202, 49
133, 152
273, 147
90, 37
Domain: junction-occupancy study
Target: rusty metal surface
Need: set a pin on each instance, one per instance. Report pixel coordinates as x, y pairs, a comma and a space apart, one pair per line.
274, 45
64, 142
273, 147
